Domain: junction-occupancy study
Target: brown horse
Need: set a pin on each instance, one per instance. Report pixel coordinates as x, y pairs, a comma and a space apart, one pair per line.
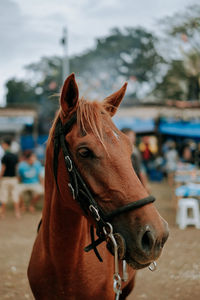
89, 181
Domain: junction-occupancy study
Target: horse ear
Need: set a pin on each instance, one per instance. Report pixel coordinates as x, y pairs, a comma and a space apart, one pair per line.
69, 94
112, 102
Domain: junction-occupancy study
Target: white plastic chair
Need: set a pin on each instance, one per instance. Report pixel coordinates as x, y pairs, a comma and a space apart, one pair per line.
183, 219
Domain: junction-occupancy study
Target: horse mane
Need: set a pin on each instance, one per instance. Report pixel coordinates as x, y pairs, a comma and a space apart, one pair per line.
89, 119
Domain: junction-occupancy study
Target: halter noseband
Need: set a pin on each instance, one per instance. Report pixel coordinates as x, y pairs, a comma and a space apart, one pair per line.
81, 192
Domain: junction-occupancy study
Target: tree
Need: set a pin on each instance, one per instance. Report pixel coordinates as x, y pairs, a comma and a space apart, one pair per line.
44, 81
182, 79
46, 75
173, 84
20, 93
128, 54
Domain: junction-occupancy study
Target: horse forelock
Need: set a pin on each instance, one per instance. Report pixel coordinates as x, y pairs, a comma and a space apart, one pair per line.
90, 118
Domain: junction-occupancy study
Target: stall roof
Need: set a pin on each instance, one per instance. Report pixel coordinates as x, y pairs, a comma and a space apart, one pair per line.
137, 124
14, 124
180, 128
14, 119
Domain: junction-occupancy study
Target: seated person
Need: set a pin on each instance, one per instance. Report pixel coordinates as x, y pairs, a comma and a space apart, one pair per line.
30, 175
8, 179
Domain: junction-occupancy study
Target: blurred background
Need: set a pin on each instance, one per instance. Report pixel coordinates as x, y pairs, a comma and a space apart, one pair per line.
152, 45
155, 47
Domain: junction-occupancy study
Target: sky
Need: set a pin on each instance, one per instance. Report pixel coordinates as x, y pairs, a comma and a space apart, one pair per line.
31, 29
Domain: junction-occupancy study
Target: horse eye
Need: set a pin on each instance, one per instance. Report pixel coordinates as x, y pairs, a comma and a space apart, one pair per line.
85, 152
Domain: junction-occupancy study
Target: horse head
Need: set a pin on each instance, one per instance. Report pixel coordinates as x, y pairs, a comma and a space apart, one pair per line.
102, 156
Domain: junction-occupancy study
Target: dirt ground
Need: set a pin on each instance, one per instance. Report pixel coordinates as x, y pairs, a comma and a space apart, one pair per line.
177, 276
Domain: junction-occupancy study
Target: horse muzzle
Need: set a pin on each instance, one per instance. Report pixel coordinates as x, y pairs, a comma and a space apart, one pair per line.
143, 248
147, 246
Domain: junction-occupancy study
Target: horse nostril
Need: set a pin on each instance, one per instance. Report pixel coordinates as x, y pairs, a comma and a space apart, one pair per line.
164, 239
147, 241
151, 242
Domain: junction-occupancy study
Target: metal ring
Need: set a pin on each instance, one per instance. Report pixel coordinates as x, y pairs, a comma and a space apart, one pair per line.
110, 227
117, 277
95, 210
153, 266
117, 283
69, 163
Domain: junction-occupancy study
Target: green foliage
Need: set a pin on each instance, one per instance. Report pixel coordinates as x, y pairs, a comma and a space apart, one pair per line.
46, 75
184, 23
132, 54
20, 93
129, 55
182, 80
41, 91
173, 84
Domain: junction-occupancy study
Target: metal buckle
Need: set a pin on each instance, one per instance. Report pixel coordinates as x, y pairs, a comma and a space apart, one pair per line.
95, 211
69, 163
72, 190
153, 266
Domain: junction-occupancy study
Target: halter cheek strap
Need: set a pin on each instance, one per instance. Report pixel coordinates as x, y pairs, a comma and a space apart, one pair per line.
60, 132
81, 192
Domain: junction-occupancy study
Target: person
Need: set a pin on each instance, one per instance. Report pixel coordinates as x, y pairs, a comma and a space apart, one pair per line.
197, 156
30, 175
15, 147
146, 152
187, 156
1, 155
8, 179
171, 158
136, 158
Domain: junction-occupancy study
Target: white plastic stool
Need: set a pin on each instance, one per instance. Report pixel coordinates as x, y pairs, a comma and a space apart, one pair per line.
182, 218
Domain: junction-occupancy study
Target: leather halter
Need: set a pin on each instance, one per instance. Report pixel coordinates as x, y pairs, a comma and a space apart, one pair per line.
80, 190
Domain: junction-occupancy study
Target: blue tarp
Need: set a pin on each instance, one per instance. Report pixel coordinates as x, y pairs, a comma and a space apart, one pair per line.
137, 124
27, 141
191, 189
180, 128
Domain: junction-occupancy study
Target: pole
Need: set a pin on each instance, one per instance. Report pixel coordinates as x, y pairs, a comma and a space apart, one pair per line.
65, 60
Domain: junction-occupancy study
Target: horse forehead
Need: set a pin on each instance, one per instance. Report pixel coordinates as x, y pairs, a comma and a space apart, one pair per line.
109, 136
107, 129
116, 134
111, 132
